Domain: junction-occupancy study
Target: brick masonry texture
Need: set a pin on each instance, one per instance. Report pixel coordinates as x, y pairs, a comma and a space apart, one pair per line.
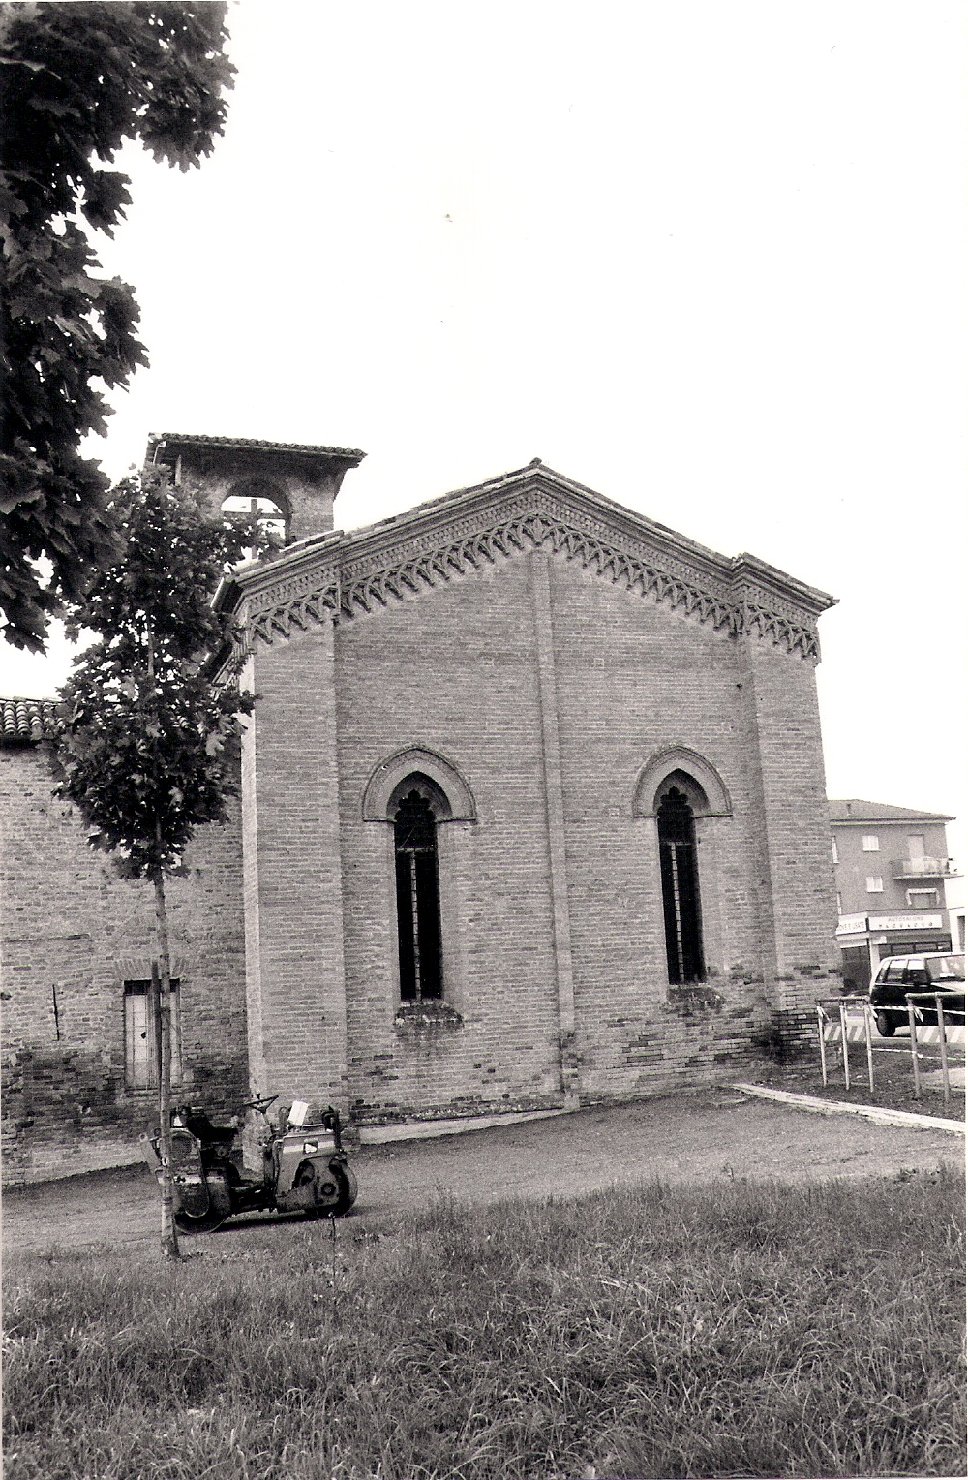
545, 674
298, 1039
453, 672
456, 671
72, 931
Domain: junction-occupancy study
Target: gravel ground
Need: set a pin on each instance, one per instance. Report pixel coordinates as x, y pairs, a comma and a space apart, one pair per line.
717, 1135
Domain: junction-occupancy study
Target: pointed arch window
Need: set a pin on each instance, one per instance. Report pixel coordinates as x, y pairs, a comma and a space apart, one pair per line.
418, 794
418, 895
681, 907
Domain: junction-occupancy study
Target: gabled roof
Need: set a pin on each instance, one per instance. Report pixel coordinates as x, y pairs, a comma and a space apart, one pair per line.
854, 810
26, 721
534, 507
538, 474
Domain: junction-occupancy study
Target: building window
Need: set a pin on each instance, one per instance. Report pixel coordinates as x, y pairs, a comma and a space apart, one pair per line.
840, 908
418, 897
870, 843
680, 888
142, 1050
922, 898
833, 851
875, 884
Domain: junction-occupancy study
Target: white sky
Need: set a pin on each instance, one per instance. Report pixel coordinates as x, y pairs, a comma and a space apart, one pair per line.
707, 258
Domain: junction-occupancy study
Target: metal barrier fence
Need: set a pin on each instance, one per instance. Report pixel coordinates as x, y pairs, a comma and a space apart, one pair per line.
914, 1013
838, 1031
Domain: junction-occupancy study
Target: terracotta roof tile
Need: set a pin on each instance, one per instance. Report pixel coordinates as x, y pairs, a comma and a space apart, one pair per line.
181, 439
26, 721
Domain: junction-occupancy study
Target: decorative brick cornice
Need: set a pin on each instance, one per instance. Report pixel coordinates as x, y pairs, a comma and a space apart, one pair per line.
793, 637
290, 613
449, 541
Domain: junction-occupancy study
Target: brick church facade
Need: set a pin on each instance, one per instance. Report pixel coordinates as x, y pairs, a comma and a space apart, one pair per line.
532, 815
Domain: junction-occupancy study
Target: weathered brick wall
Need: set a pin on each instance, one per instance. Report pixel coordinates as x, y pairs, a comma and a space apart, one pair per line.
783, 722
292, 863
458, 671
71, 929
549, 688
452, 671
633, 679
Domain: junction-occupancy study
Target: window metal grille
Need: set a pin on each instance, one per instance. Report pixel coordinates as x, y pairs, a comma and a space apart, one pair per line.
680, 888
418, 898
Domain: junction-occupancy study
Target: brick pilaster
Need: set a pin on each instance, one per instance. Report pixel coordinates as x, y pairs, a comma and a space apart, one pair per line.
293, 874
795, 868
551, 762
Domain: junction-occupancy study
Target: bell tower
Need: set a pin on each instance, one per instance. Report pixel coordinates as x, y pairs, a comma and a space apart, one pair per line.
302, 482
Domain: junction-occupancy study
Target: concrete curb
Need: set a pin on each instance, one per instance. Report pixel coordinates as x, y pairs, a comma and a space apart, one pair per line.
841, 1107
426, 1130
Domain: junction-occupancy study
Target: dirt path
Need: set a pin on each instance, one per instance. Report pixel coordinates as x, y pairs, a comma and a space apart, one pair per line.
716, 1136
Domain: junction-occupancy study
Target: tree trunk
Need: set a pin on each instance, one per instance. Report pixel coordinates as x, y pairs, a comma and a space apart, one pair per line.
169, 1233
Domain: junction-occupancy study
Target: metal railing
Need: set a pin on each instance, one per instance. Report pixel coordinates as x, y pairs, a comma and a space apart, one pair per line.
922, 868
824, 1018
917, 1017
914, 1012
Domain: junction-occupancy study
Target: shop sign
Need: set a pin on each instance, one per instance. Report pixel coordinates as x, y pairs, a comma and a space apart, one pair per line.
905, 922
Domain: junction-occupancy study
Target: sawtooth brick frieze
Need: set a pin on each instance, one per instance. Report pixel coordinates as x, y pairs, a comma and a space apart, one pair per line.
543, 514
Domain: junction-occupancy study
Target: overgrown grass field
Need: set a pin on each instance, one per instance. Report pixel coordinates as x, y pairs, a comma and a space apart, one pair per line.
755, 1330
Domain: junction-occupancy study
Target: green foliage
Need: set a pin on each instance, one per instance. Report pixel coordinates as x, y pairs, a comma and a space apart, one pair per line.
75, 82
146, 751
645, 1331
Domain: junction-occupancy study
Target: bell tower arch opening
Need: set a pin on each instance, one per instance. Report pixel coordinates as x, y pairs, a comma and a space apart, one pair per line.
260, 501
302, 482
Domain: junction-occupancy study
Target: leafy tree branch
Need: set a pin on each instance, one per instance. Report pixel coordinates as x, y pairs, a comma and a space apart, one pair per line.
75, 82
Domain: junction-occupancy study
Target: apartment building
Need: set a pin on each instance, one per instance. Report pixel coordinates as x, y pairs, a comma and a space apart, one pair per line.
892, 873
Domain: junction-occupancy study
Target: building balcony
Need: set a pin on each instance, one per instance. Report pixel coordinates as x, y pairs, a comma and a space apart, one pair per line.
923, 868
